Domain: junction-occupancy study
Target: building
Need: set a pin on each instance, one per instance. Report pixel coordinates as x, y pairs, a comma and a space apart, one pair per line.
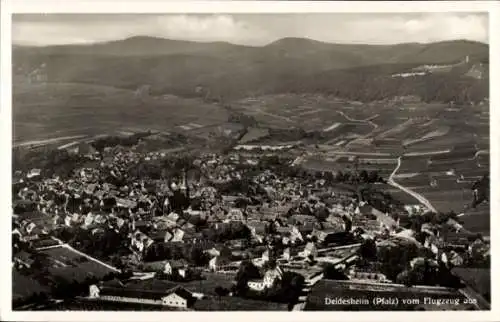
176, 297
368, 275
23, 260
384, 220
270, 277
218, 263
310, 250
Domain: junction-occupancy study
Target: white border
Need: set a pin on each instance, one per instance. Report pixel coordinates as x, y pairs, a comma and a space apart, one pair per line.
96, 6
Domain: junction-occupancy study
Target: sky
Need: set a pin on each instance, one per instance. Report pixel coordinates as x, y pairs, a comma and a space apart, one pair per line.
250, 29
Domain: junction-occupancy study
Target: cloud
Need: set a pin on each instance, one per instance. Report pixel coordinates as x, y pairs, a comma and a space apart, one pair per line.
208, 28
251, 29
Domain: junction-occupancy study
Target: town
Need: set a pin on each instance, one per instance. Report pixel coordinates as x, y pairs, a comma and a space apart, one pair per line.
110, 225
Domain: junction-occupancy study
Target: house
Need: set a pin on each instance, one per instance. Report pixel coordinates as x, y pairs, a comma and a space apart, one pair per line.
453, 237
213, 252
120, 222
167, 236
452, 258
235, 214
178, 235
57, 220
218, 263
265, 255
125, 203
384, 220
33, 173
309, 250
76, 218
23, 259
428, 228
270, 277
368, 275
334, 221
301, 219
305, 228
88, 220
295, 235
433, 243
140, 241
258, 226
17, 232
30, 227
365, 210
286, 253
327, 235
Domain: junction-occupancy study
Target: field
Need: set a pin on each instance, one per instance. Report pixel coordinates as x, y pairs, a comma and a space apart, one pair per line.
70, 265
53, 110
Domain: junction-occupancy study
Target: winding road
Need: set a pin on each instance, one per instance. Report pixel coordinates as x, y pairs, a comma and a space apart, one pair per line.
414, 194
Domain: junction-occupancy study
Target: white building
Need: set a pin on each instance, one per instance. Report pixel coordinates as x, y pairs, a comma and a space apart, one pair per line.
176, 297
268, 281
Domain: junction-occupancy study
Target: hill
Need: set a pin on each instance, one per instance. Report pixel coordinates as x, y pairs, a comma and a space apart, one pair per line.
221, 69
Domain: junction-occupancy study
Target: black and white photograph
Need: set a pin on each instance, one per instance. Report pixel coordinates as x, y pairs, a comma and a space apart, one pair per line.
326, 161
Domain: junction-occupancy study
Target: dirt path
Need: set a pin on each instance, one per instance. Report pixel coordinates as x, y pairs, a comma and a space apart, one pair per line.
414, 194
368, 120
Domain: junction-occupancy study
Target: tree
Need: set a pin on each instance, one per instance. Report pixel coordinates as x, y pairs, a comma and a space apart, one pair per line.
246, 272
363, 176
395, 259
197, 256
368, 250
329, 177
373, 176
339, 176
221, 291
321, 213
332, 273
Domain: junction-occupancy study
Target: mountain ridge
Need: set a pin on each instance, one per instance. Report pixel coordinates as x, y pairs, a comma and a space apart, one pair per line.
228, 70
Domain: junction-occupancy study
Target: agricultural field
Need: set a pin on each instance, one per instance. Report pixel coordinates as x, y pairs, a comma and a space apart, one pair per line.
45, 111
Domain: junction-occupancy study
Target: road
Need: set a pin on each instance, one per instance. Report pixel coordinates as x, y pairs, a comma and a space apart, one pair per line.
259, 110
368, 120
414, 194
478, 153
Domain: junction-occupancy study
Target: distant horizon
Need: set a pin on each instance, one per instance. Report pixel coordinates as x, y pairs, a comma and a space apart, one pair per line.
235, 44
252, 30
